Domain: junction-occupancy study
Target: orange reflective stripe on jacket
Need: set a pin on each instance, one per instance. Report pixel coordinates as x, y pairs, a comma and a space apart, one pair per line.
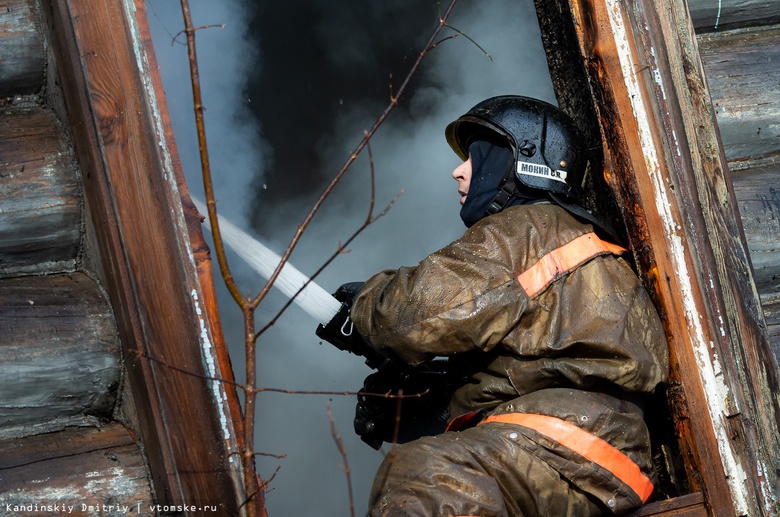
564, 259
587, 445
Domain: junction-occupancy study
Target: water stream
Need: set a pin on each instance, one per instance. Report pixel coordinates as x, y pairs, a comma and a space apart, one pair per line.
313, 299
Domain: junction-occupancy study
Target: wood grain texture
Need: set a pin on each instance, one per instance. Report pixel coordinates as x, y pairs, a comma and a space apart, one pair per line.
59, 352
744, 80
663, 159
40, 195
772, 314
21, 48
144, 246
102, 468
690, 505
758, 195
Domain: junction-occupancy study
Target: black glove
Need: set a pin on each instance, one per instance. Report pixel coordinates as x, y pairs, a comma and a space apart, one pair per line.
377, 417
346, 293
340, 333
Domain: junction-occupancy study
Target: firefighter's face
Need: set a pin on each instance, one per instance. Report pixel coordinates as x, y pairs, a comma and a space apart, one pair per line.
462, 175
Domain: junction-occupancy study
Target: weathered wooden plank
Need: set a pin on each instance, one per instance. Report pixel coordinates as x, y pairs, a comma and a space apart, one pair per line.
152, 281
85, 471
586, 71
663, 158
709, 15
21, 48
59, 352
744, 81
40, 195
772, 315
758, 194
690, 505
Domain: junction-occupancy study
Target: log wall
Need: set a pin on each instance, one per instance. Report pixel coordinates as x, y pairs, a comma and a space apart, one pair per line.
59, 352
91, 471
95, 248
21, 49
40, 194
60, 368
744, 81
743, 73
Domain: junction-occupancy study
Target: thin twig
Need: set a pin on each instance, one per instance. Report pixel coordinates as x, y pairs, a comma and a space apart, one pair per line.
340, 250
251, 485
353, 156
215, 26
343, 450
247, 304
387, 395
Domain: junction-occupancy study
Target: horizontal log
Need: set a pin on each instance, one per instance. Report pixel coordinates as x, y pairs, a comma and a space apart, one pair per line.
708, 15
772, 315
21, 48
40, 195
78, 468
758, 196
59, 351
744, 81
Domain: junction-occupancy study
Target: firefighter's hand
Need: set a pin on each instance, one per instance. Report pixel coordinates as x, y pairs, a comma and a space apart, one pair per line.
346, 293
393, 411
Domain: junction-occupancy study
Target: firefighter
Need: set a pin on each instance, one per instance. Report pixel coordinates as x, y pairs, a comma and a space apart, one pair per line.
550, 327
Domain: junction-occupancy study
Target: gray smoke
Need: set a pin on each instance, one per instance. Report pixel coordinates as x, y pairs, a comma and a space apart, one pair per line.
289, 88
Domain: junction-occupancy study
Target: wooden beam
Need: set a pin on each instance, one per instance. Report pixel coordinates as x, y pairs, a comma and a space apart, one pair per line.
67, 314
21, 49
85, 471
142, 235
690, 505
40, 195
211, 323
663, 159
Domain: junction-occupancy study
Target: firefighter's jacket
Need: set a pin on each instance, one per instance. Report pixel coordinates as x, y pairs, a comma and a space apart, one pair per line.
546, 319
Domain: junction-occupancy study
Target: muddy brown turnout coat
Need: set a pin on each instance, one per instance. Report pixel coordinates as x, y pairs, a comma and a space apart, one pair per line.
558, 337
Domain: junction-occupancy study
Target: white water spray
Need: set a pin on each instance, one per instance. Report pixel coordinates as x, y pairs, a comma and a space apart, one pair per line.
313, 299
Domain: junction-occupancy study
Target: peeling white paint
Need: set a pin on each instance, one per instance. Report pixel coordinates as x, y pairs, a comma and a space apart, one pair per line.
716, 391
208, 353
212, 371
177, 216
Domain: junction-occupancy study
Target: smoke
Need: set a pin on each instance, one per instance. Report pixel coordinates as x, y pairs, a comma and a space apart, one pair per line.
289, 88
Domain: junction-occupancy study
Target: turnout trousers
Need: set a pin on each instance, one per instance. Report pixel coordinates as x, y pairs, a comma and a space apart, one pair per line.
488, 471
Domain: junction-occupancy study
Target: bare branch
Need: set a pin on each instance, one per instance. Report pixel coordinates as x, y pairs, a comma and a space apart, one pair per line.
341, 249
176, 37
189, 30
139, 355
353, 156
254, 485
343, 450
461, 33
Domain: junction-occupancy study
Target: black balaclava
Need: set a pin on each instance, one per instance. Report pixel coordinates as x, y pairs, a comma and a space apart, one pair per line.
491, 162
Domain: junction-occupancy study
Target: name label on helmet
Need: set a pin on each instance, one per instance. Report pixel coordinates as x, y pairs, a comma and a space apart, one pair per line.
541, 171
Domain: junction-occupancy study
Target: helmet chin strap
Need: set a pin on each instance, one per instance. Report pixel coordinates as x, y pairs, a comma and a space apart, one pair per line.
508, 191
505, 194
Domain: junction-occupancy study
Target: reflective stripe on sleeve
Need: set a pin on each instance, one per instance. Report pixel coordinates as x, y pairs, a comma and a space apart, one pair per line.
587, 445
564, 259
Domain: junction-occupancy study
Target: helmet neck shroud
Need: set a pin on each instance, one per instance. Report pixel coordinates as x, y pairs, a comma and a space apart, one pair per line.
492, 180
543, 156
